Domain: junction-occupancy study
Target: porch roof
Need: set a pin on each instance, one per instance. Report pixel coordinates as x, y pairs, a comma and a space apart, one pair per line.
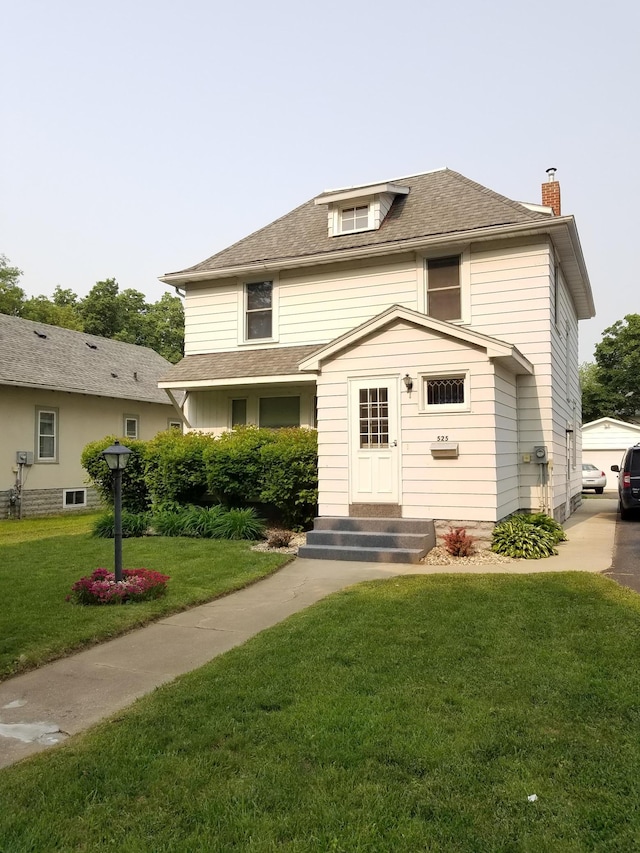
240, 367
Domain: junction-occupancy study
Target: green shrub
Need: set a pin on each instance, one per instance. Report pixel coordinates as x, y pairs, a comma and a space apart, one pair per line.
290, 478
242, 524
278, 468
135, 495
235, 466
518, 537
175, 469
134, 524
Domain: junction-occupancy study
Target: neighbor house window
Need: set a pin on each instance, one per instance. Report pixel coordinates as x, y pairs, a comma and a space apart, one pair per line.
131, 426
354, 219
238, 412
171, 424
276, 412
75, 497
259, 310
47, 435
443, 288
446, 392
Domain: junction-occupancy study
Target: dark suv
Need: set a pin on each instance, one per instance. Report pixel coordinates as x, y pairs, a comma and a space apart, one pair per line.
628, 482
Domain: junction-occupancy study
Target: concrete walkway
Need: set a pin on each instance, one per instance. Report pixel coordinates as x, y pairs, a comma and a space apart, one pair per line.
46, 706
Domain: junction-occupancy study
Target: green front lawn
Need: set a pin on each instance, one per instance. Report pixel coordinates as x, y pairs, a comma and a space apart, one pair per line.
41, 558
412, 714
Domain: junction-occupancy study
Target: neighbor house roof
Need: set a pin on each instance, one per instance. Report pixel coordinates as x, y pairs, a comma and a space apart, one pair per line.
35, 355
220, 368
438, 203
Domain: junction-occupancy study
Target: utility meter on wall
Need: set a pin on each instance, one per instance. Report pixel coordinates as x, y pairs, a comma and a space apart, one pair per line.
540, 454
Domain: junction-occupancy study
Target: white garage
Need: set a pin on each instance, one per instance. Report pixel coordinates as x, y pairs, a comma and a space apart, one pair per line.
603, 443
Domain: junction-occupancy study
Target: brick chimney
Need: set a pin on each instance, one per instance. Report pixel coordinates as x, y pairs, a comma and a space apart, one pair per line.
551, 193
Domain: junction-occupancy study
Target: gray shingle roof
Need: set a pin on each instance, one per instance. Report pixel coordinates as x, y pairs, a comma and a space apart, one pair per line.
279, 361
40, 356
438, 203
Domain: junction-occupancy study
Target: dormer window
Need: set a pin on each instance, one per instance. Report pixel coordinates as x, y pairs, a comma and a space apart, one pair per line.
354, 218
359, 208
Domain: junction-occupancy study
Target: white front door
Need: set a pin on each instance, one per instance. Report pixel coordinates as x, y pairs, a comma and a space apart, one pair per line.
374, 440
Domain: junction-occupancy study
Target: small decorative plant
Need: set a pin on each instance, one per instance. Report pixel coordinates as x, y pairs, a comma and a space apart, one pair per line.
101, 587
458, 543
280, 539
529, 537
133, 524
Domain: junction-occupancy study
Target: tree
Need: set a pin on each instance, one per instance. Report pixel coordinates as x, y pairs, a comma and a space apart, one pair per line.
100, 310
12, 296
612, 386
166, 327
43, 310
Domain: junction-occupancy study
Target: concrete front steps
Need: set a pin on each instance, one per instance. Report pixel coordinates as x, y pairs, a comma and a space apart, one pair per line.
379, 540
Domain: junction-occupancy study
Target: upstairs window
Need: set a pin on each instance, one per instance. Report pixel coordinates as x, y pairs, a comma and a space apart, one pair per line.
354, 219
443, 288
259, 311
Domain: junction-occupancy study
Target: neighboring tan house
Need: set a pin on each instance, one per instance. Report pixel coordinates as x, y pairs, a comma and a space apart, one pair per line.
427, 326
603, 443
59, 390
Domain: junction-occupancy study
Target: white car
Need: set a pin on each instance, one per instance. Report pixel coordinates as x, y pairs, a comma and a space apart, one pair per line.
593, 478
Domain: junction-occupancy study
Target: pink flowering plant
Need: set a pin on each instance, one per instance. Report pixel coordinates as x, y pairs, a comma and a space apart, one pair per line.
101, 587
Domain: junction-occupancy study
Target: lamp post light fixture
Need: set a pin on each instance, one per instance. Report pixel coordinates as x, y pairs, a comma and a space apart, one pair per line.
117, 457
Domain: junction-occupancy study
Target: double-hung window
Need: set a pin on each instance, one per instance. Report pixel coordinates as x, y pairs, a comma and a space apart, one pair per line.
259, 310
443, 288
47, 434
131, 426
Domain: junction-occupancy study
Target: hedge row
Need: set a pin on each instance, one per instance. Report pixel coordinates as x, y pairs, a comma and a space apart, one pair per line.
276, 468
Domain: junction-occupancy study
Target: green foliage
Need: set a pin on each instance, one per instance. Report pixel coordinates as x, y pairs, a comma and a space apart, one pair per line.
135, 495
124, 316
214, 522
290, 476
134, 524
458, 543
519, 537
242, 524
275, 467
540, 519
611, 387
175, 470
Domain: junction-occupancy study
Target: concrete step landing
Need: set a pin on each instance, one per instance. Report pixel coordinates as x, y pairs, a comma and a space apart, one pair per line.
381, 540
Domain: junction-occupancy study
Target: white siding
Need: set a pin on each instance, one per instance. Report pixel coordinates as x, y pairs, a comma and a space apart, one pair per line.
435, 488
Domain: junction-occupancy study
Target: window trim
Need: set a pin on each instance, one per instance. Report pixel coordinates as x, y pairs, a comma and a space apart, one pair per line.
125, 434
50, 410
339, 210
243, 340
433, 408
464, 254
66, 492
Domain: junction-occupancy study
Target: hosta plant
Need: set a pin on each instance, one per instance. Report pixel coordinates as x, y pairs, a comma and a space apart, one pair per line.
101, 587
517, 537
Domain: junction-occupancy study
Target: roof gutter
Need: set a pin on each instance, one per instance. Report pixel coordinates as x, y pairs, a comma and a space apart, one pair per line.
332, 256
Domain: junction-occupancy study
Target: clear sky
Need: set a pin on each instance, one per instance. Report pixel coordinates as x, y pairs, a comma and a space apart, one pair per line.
140, 137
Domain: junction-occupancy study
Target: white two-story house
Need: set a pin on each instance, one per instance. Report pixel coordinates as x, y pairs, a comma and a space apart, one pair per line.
426, 326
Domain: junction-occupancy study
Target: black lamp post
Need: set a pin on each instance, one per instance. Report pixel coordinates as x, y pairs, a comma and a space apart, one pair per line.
116, 458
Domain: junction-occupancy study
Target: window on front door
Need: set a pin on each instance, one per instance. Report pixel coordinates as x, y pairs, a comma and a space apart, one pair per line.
443, 288
259, 311
374, 417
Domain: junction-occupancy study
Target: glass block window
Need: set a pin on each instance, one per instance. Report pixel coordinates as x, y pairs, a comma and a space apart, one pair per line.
446, 391
374, 417
354, 218
259, 310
